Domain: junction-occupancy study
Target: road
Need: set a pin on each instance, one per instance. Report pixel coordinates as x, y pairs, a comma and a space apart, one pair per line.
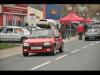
78, 55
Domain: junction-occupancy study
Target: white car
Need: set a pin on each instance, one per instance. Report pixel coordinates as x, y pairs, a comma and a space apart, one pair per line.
13, 33
92, 34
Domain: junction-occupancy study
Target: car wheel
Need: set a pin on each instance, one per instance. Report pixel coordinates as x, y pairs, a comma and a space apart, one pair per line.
25, 54
23, 39
86, 39
61, 49
54, 51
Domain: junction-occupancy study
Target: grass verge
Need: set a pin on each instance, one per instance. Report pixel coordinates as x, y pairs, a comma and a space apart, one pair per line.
6, 45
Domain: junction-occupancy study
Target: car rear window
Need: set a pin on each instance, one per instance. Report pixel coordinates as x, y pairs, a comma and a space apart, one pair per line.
47, 26
92, 30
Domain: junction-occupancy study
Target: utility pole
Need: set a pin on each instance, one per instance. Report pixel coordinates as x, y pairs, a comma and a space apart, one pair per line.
44, 10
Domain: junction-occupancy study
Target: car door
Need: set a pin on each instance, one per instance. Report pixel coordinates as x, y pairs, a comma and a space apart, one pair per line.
6, 34
58, 38
17, 34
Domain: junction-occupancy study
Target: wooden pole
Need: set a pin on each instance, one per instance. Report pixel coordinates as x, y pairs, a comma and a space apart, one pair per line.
44, 10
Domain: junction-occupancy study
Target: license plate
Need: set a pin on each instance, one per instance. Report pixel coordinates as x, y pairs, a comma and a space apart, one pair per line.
35, 48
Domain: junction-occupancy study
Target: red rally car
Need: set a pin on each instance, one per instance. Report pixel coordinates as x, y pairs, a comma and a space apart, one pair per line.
43, 41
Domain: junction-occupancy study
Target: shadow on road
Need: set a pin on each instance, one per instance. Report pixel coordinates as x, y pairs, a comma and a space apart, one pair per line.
42, 54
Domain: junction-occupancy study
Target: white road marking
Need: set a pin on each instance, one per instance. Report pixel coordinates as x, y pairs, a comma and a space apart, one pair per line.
40, 65
75, 51
61, 57
84, 47
97, 42
92, 44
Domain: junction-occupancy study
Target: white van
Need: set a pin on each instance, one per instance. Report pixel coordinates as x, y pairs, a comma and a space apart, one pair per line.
53, 22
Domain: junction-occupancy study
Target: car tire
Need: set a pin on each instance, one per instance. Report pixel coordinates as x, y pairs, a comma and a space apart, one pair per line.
61, 48
86, 39
25, 54
54, 51
23, 39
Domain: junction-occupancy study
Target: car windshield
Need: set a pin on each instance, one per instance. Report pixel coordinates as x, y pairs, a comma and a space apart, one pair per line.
92, 30
43, 26
42, 33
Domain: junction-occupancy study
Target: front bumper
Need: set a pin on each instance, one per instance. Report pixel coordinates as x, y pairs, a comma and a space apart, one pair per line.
92, 37
43, 50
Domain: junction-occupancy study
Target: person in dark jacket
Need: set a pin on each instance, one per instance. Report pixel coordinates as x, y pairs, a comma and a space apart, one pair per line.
63, 31
26, 25
86, 27
68, 31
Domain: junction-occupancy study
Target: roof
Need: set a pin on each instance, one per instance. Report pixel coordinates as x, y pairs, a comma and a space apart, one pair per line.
48, 20
12, 26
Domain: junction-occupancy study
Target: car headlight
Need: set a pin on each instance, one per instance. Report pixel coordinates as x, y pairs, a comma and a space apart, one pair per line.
26, 44
47, 43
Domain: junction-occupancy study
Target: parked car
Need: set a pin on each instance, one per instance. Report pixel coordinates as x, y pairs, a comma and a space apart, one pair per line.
92, 34
45, 40
13, 33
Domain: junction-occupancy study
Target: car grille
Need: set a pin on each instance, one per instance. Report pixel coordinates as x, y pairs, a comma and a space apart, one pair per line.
36, 44
39, 45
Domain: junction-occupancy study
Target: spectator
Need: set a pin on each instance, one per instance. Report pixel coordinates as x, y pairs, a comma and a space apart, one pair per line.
67, 31
80, 31
27, 25
62, 31
86, 27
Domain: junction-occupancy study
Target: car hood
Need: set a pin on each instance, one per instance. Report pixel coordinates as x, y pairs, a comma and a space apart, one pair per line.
37, 40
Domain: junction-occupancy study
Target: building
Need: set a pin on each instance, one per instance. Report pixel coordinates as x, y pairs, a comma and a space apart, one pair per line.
41, 6
33, 14
13, 14
1, 16
19, 14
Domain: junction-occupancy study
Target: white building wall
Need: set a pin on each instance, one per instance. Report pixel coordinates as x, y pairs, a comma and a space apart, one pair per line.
0, 8
38, 13
32, 19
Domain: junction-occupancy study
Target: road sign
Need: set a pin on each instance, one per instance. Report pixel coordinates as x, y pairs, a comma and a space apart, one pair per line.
53, 11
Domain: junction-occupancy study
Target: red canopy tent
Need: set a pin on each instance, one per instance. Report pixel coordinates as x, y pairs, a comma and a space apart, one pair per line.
71, 17
88, 20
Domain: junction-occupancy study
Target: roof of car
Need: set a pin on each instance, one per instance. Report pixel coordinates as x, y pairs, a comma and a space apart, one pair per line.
43, 29
12, 26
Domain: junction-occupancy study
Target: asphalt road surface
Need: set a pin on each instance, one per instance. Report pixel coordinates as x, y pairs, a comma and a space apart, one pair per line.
78, 55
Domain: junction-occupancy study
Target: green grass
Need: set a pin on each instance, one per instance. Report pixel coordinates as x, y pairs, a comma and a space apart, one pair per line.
5, 45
